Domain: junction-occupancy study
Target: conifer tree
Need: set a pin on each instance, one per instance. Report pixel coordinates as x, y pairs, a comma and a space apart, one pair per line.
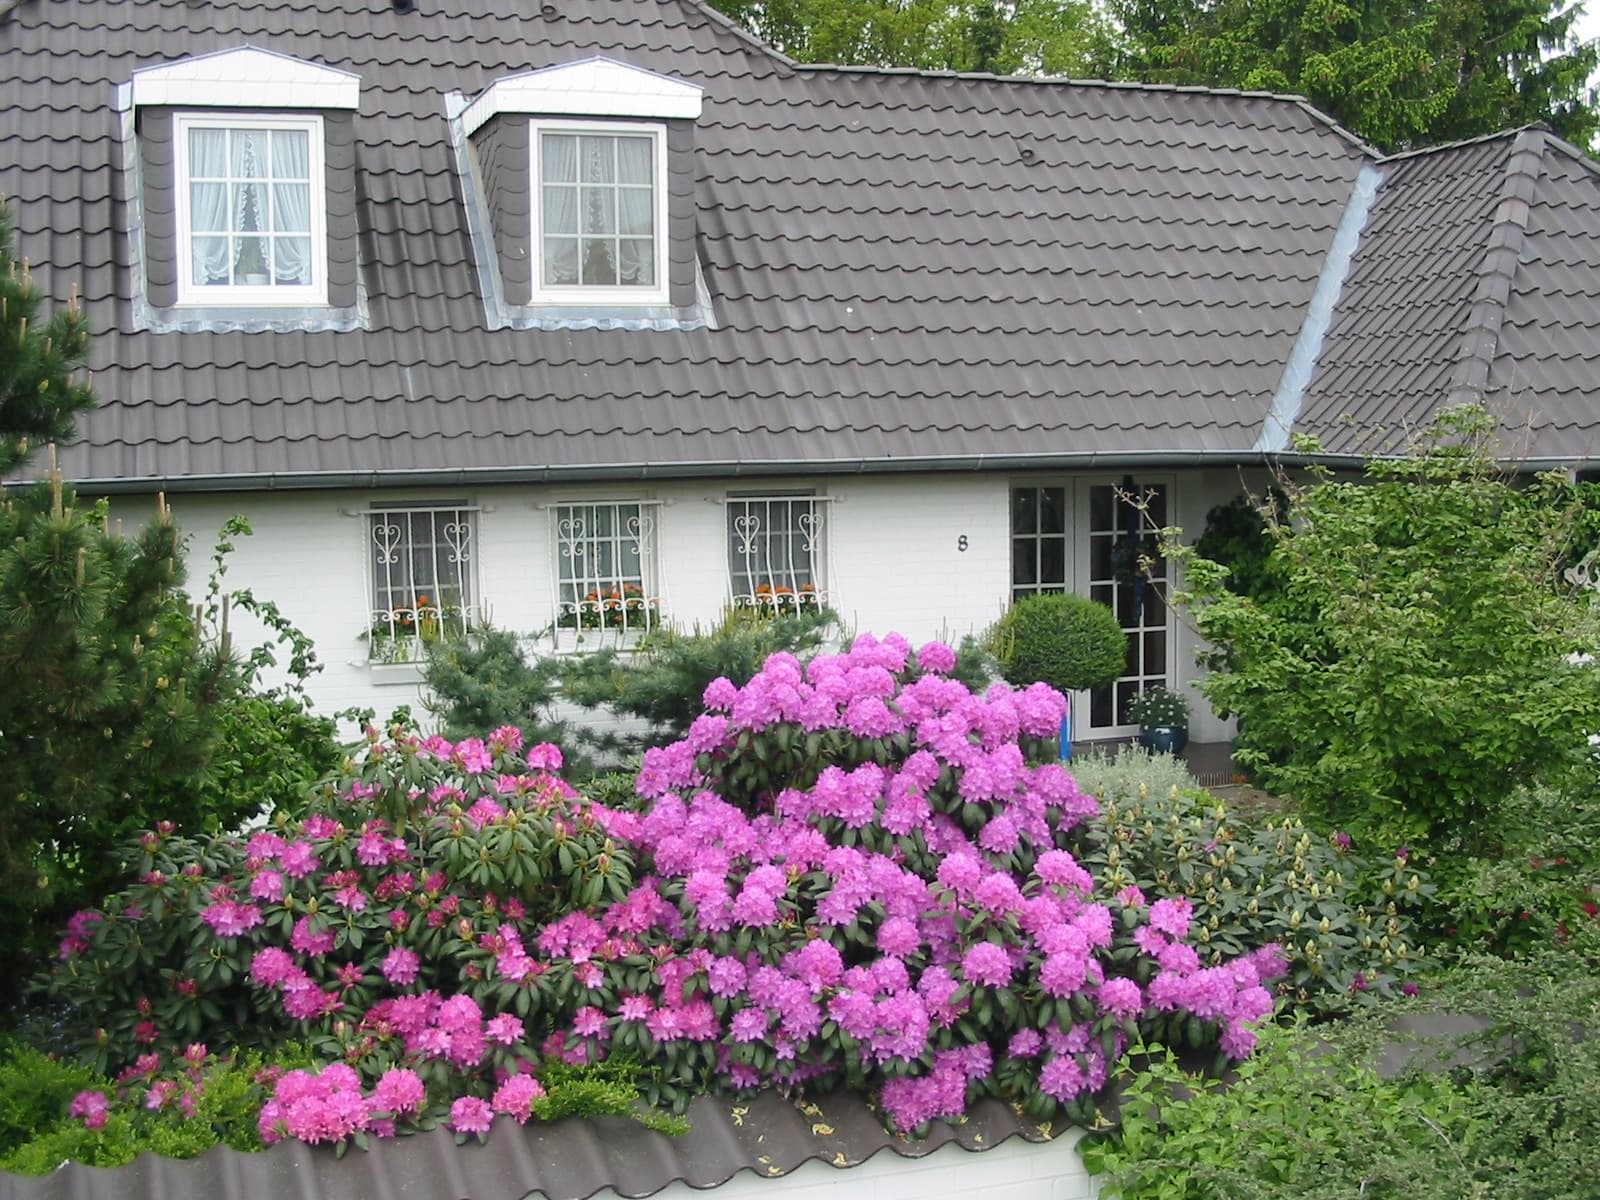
104, 707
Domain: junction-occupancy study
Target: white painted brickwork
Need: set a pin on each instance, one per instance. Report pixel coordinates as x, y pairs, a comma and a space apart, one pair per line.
926, 555
1014, 1170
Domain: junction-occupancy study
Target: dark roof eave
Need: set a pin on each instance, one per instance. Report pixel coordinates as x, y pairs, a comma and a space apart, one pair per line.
707, 469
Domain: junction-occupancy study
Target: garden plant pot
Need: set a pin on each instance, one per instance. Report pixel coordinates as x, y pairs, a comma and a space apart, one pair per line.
1163, 739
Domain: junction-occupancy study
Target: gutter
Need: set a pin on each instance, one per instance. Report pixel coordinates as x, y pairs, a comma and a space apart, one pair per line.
709, 469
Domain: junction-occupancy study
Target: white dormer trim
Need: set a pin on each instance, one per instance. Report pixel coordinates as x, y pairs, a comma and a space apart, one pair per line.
245, 78
594, 87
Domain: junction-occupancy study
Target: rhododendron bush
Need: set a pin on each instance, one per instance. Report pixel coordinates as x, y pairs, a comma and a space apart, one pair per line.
851, 873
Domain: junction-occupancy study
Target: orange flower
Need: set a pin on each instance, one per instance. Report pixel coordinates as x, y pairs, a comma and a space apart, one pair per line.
423, 602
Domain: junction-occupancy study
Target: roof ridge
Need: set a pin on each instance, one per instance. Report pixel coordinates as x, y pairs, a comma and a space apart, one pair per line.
1124, 85
1480, 335
1462, 143
719, 17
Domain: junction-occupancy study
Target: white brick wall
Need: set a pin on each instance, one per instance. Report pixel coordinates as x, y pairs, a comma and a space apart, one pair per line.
1013, 1170
926, 555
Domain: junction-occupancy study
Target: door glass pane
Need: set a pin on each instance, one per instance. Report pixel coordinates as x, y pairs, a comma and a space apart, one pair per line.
1053, 510
1053, 563
1024, 510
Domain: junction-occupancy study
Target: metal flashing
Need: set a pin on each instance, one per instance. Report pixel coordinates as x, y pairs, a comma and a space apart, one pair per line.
1302, 361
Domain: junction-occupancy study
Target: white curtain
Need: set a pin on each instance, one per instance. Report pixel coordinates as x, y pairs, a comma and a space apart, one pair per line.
208, 204
291, 204
558, 168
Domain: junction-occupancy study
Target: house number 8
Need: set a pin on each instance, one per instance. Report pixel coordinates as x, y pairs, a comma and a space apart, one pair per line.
961, 543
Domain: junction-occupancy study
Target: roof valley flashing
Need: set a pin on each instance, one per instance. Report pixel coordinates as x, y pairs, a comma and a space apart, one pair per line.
1302, 362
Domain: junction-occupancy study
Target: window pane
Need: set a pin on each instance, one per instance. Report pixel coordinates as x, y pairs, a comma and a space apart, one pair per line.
633, 159
1024, 510
635, 216
599, 159
561, 210
292, 261
250, 207
559, 158
599, 262
1053, 562
1023, 565
211, 261
599, 210
208, 153
208, 207
636, 261
249, 153
291, 207
560, 261
291, 154
1052, 510
250, 261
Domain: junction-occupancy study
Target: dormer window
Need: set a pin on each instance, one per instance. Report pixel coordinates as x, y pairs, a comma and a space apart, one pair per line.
601, 210
579, 184
242, 180
251, 211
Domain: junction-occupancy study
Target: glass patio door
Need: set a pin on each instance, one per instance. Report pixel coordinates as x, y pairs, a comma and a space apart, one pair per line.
1119, 564
1090, 538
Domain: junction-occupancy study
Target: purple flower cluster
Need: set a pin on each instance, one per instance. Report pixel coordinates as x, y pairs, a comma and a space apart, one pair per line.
897, 906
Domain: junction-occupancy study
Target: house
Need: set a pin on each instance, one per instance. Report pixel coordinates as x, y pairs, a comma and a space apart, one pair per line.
589, 314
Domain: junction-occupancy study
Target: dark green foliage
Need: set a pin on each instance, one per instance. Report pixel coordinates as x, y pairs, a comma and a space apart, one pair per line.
1414, 672
1398, 75
487, 680
1541, 883
1506, 1112
1236, 537
117, 692
106, 709
1069, 642
1052, 37
662, 682
39, 398
1345, 917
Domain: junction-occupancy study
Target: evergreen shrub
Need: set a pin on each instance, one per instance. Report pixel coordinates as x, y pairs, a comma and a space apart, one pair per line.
1069, 642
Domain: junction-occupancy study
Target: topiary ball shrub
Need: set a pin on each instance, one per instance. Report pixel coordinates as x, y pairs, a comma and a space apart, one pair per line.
1069, 642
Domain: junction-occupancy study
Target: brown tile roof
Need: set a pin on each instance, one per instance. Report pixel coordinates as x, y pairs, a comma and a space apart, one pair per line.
905, 268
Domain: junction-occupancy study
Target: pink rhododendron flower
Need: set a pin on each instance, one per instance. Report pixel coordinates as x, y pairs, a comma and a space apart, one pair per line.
1171, 916
400, 966
230, 918
469, 1114
514, 1098
400, 1090
93, 1107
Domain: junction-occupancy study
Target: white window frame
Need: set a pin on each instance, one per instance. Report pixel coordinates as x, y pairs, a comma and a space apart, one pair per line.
598, 294
194, 295
397, 632
814, 591
606, 620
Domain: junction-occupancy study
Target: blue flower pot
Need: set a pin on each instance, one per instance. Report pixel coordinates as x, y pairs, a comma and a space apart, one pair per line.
1163, 739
